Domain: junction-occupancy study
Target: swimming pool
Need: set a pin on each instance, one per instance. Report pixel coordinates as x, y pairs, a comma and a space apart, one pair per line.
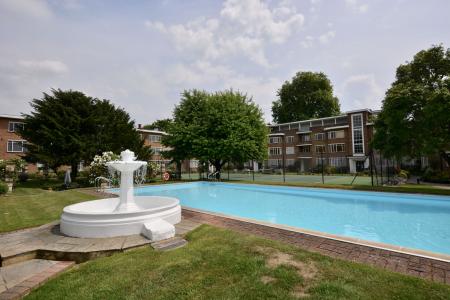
412, 221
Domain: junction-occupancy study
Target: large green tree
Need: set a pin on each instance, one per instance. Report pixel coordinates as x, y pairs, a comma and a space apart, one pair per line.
415, 117
308, 95
220, 127
67, 127
162, 125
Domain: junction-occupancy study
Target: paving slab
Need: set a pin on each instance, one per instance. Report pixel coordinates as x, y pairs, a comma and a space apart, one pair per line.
48, 242
15, 274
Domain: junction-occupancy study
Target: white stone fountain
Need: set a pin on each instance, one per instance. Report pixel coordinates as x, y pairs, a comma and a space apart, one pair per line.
152, 216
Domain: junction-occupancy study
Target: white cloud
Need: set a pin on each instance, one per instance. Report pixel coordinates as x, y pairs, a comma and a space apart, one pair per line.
30, 8
308, 42
244, 28
327, 37
43, 66
361, 91
356, 6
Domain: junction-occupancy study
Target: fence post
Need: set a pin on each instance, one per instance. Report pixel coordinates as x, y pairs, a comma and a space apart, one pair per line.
371, 166
253, 170
381, 168
321, 162
228, 170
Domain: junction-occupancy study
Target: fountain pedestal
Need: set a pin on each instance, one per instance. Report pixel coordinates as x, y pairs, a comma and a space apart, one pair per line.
151, 216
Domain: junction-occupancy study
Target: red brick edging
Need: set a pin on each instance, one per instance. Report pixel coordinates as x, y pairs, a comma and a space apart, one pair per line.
423, 267
25, 287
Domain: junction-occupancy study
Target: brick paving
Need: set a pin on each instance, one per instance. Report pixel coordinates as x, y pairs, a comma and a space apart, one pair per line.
428, 268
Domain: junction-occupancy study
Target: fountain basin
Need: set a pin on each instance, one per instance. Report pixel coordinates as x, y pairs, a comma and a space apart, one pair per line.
98, 218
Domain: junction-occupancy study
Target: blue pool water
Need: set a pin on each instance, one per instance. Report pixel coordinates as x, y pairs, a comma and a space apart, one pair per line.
412, 221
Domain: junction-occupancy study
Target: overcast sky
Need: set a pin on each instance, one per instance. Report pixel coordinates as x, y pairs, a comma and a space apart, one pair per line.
142, 54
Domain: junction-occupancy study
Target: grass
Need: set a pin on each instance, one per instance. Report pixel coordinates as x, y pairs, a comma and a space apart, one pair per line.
221, 264
33, 206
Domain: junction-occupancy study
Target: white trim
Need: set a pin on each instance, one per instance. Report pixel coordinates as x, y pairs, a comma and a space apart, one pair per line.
306, 157
362, 134
23, 142
336, 127
277, 134
151, 131
12, 117
14, 122
369, 124
303, 132
300, 145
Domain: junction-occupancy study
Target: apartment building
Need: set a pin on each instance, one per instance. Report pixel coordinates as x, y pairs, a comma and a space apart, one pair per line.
152, 139
11, 144
341, 142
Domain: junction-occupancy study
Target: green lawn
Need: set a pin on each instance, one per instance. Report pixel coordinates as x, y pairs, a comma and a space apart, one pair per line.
221, 264
29, 206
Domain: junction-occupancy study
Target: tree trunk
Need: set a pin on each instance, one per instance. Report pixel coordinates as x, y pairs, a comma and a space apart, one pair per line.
178, 163
218, 166
74, 172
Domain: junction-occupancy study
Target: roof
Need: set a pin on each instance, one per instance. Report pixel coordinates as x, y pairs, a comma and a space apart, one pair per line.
6, 116
151, 131
325, 118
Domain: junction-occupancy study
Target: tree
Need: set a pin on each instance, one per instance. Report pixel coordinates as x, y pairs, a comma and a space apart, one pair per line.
219, 128
309, 95
67, 127
415, 118
161, 125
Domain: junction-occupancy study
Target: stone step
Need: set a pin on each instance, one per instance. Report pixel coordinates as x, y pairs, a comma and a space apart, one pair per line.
169, 244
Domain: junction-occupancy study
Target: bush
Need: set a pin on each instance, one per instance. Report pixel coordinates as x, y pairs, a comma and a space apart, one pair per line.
3, 188
23, 177
436, 176
403, 174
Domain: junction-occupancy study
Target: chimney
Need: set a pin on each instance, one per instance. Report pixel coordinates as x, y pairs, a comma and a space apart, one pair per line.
139, 126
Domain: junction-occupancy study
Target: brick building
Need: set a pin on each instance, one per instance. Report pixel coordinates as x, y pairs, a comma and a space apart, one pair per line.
152, 139
341, 142
11, 144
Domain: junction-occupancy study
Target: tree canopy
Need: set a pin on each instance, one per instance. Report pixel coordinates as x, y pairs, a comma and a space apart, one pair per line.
217, 127
308, 95
415, 117
67, 127
162, 125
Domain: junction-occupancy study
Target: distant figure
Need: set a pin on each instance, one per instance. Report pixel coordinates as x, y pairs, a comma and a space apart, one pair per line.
67, 179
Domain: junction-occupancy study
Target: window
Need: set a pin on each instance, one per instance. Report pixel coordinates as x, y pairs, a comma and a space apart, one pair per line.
319, 136
304, 127
336, 148
336, 134
157, 150
274, 140
289, 150
154, 138
16, 146
15, 126
290, 162
338, 161
306, 138
275, 151
290, 139
305, 149
358, 139
275, 163
320, 161
320, 148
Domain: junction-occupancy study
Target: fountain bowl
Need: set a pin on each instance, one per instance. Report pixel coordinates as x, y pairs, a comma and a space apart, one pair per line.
97, 218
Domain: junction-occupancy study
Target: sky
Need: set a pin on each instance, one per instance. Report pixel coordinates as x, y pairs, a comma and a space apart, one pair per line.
141, 55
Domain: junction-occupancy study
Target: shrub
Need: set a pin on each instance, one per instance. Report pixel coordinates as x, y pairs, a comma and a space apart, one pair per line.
403, 174
23, 177
436, 176
3, 188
